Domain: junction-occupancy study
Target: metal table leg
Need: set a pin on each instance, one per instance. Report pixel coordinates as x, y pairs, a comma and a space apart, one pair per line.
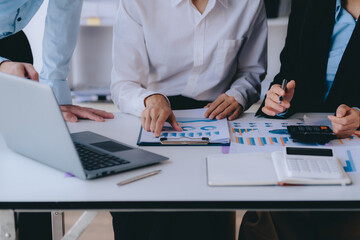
57, 223
7, 225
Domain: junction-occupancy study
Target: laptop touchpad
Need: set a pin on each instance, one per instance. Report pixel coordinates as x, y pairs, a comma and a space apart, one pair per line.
111, 146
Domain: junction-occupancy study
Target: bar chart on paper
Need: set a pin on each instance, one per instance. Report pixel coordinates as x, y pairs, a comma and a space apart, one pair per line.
349, 157
261, 135
194, 126
350, 141
263, 141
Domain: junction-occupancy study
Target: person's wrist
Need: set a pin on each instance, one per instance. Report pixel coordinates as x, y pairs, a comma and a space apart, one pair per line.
2, 63
155, 99
357, 110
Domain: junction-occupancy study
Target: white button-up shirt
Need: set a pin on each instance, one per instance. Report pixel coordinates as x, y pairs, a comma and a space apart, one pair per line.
169, 47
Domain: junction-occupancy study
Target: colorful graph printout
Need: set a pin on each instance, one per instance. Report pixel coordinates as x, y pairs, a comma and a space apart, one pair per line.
258, 134
194, 125
349, 157
250, 136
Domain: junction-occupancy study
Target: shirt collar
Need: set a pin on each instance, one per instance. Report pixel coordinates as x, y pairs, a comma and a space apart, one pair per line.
174, 3
337, 9
225, 3
342, 15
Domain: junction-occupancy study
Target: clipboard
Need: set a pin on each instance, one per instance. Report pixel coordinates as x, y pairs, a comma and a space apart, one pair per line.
182, 141
197, 131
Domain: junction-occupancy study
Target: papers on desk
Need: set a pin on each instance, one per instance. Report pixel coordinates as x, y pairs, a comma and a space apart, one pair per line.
194, 126
245, 169
258, 136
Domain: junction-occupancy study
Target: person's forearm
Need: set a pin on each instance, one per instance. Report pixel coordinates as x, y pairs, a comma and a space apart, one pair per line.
129, 96
3, 60
60, 35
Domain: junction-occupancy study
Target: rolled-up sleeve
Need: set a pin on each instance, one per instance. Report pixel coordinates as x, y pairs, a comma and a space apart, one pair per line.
61, 31
252, 62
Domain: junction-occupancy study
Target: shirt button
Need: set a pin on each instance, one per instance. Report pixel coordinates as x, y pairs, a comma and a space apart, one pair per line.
19, 19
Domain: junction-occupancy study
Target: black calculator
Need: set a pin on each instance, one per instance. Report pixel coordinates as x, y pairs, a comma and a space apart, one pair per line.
311, 133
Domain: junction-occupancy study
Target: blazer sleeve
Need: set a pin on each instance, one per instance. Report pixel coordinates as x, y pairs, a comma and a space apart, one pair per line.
289, 57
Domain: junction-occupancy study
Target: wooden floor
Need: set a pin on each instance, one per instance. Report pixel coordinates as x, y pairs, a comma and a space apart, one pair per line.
101, 227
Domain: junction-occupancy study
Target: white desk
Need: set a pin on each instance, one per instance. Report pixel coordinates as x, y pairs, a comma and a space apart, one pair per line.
26, 184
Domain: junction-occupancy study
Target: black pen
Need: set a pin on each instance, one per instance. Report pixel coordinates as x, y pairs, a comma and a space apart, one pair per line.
283, 86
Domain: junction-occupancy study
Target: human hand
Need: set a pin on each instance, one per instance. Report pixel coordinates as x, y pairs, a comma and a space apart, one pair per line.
224, 106
157, 111
71, 113
272, 106
24, 70
346, 121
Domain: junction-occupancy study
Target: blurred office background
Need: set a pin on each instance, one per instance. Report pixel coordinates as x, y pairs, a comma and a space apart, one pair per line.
91, 63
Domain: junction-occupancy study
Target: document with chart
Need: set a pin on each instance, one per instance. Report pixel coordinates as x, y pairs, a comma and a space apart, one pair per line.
268, 135
197, 130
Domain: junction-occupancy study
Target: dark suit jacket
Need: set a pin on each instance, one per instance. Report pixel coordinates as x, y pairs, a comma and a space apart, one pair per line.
305, 55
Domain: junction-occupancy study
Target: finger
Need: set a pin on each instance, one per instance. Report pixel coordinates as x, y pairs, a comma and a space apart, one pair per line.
343, 134
154, 117
357, 133
290, 86
274, 98
230, 109
276, 89
101, 113
143, 119
82, 113
207, 105
19, 71
175, 125
159, 125
274, 106
31, 72
147, 121
348, 123
219, 109
268, 111
290, 90
342, 110
340, 120
214, 105
69, 117
342, 128
235, 114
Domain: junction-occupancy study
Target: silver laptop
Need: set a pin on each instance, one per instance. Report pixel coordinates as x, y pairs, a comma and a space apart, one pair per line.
32, 124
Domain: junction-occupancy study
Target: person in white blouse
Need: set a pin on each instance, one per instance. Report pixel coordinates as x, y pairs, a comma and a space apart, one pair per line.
212, 51
176, 54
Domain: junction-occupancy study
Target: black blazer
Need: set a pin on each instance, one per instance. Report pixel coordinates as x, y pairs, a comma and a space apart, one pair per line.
305, 55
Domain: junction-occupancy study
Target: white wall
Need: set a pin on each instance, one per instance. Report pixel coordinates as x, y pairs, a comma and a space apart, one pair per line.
276, 41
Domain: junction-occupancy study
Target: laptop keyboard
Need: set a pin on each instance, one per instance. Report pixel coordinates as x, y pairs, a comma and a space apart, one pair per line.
92, 159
